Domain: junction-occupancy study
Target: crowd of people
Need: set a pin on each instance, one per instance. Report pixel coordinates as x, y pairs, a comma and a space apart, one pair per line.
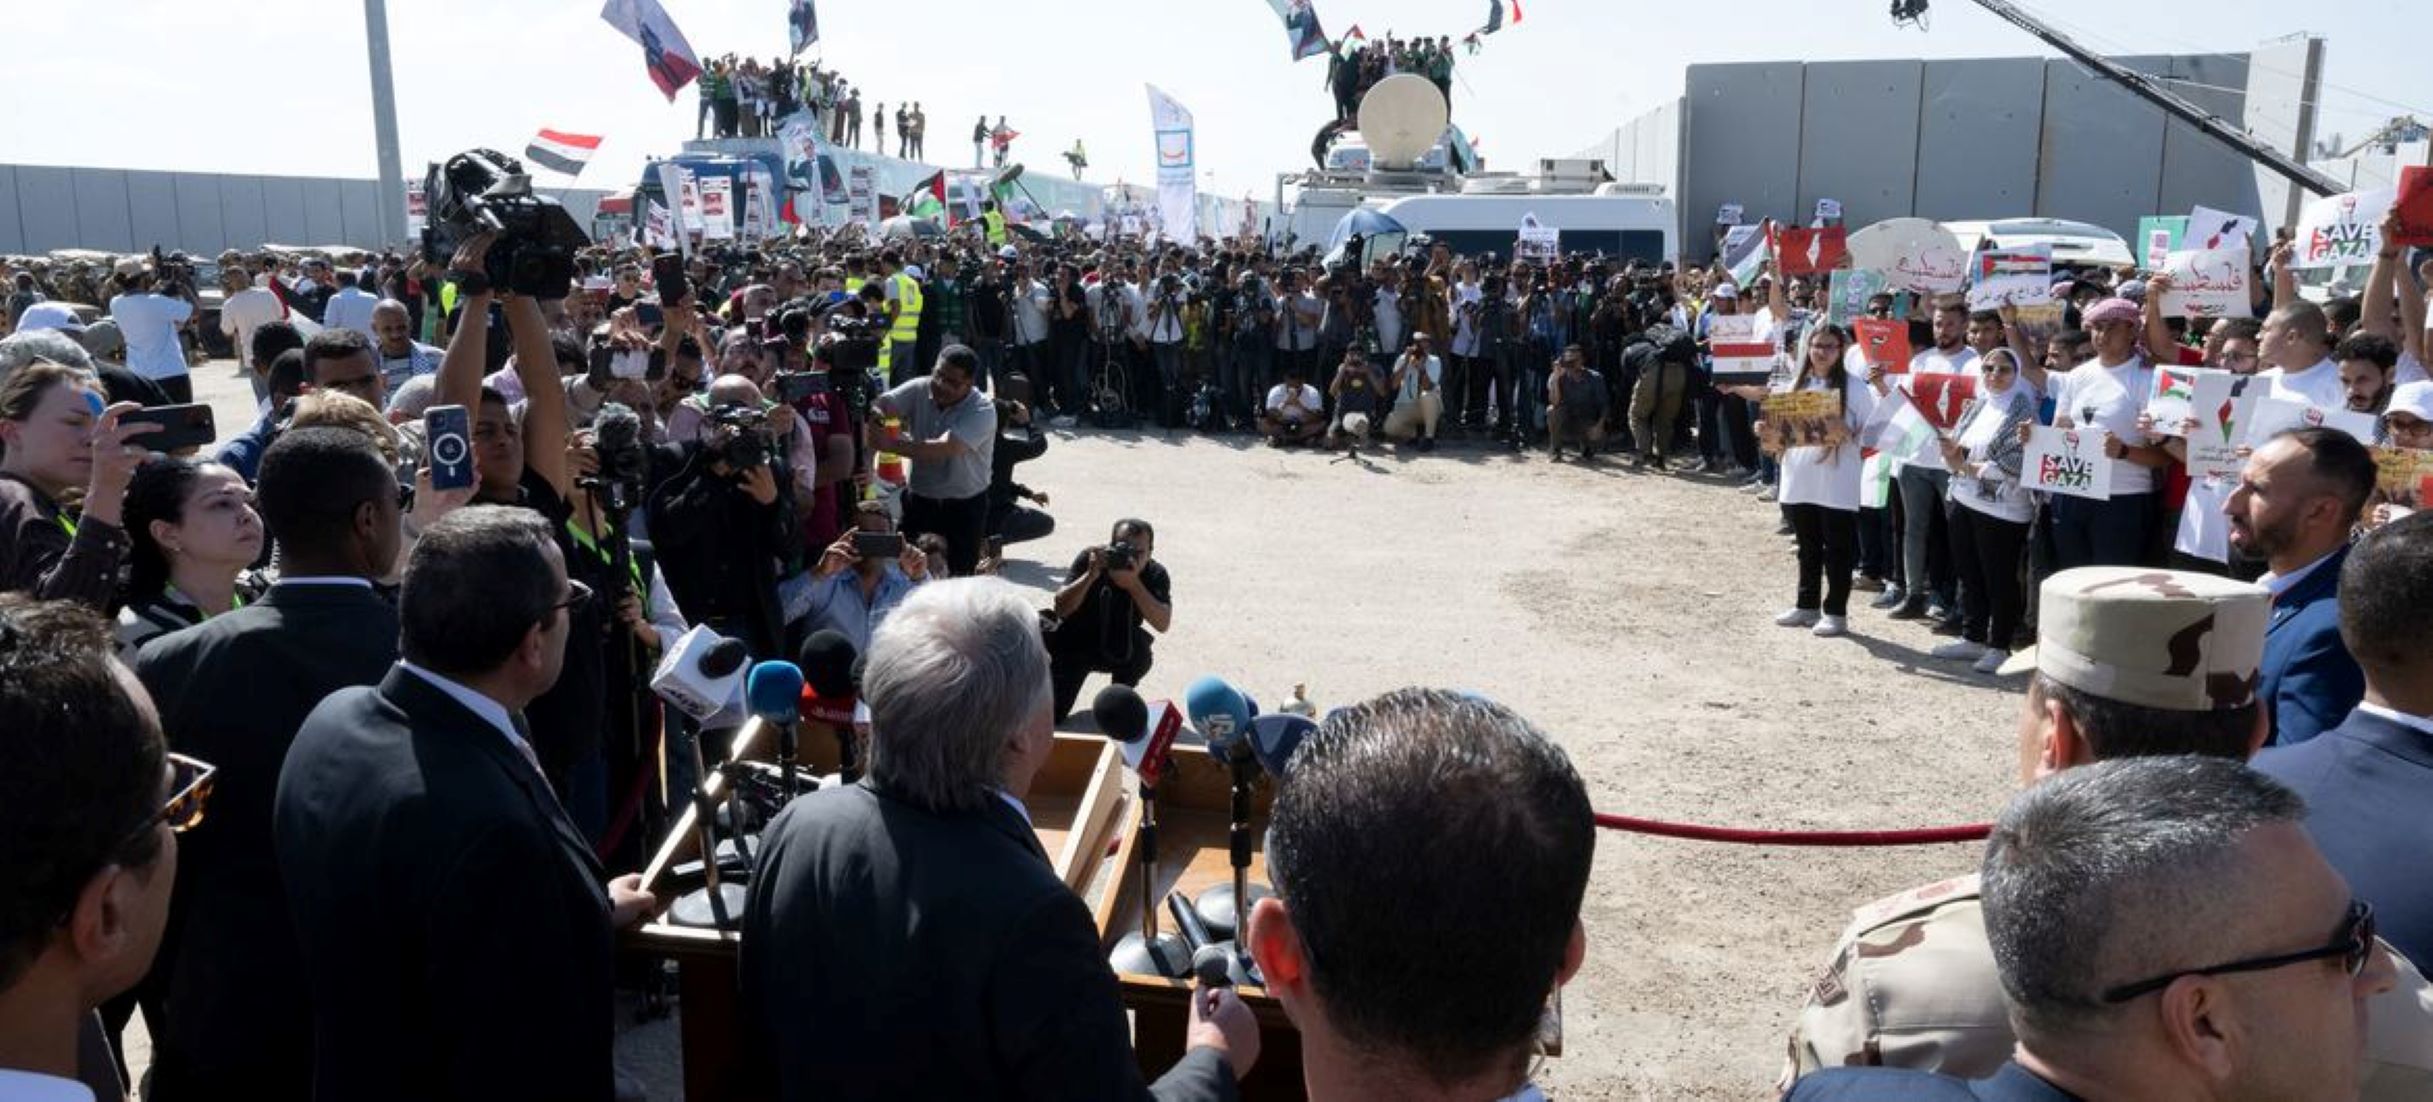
314, 627
1353, 70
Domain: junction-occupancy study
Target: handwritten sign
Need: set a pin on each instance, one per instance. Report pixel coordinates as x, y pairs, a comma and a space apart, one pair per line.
1920, 255
2180, 391
1802, 419
2016, 277
2067, 461
2207, 283
1742, 354
1884, 343
2341, 229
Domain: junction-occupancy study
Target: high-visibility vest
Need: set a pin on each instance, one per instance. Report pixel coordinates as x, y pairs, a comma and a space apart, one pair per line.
995, 220
853, 285
908, 316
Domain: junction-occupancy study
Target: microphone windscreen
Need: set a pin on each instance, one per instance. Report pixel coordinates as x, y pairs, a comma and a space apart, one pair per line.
1274, 738
724, 657
774, 691
1220, 712
1121, 714
1213, 966
827, 661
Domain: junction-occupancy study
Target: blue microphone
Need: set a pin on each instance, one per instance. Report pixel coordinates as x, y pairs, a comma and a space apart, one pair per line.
1221, 713
774, 692
1274, 738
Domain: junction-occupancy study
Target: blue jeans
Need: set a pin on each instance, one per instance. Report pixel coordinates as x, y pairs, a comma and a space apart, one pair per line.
2100, 533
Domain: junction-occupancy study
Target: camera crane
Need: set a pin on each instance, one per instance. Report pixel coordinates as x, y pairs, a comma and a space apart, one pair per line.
1908, 12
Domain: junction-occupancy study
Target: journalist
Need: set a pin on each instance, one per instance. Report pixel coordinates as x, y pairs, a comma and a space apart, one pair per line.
1108, 595
948, 428
859, 580
718, 520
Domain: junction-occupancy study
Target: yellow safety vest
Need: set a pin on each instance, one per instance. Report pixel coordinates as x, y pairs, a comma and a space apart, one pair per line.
908, 315
853, 285
995, 220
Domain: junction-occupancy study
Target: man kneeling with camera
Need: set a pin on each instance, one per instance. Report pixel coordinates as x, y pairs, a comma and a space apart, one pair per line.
1111, 592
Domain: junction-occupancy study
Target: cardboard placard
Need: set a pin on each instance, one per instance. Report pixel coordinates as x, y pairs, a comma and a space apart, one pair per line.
2415, 207
1884, 343
2018, 277
1742, 354
2207, 283
2180, 391
2067, 461
1807, 252
1802, 419
1941, 396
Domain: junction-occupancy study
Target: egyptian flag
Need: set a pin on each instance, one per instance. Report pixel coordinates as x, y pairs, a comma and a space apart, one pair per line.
665, 53
1495, 15
927, 199
562, 152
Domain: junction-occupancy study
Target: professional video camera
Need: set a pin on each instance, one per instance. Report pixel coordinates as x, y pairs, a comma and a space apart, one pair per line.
485, 191
735, 437
172, 271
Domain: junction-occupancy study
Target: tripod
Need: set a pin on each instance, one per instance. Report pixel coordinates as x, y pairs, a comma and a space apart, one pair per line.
1111, 380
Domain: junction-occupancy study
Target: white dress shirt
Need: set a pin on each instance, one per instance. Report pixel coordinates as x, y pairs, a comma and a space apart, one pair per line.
2278, 584
490, 710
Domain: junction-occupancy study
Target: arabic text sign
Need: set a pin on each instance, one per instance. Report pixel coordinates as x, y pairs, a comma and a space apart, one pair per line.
2207, 283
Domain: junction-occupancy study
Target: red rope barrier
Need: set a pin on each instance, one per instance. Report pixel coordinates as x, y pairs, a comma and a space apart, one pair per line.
1926, 836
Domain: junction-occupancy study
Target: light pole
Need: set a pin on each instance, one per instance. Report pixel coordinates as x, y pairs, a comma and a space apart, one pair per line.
392, 214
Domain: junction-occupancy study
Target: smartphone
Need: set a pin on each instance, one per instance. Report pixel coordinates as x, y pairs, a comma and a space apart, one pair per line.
631, 363
795, 386
878, 545
649, 314
667, 274
448, 449
181, 427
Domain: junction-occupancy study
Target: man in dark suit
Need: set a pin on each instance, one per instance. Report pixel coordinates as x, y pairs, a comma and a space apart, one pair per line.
2164, 929
2294, 507
225, 1001
906, 936
2367, 780
455, 932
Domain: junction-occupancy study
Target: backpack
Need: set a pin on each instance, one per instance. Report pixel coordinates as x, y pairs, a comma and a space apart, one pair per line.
1668, 343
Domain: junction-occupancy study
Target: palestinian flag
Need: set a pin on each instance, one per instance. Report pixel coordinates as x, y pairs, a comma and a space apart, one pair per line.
927, 199
559, 151
1495, 15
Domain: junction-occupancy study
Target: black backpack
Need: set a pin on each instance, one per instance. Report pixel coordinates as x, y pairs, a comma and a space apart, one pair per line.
1667, 343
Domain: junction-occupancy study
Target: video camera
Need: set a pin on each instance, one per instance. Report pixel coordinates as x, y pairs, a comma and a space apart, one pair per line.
485, 191
735, 437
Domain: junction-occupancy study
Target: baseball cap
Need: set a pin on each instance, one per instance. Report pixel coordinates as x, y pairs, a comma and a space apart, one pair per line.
128, 265
1008, 253
1726, 290
2173, 640
2414, 398
103, 340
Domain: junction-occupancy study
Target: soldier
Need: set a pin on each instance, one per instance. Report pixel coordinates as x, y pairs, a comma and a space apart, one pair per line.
2128, 663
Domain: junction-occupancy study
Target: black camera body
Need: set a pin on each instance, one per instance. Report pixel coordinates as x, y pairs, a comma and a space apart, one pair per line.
485, 191
735, 437
1122, 555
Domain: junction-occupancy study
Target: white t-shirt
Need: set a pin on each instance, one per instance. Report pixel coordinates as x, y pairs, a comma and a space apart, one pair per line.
1963, 362
244, 312
2410, 370
2093, 396
1311, 402
1828, 476
2317, 386
1387, 311
1465, 326
1434, 369
1031, 313
350, 308
149, 323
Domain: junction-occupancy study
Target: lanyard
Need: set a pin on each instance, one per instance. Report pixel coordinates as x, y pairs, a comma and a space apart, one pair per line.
66, 525
583, 540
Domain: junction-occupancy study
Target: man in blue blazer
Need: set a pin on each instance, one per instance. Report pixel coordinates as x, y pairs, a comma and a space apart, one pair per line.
2366, 781
2294, 507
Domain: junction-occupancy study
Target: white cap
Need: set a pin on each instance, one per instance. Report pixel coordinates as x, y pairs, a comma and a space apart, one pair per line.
1726, 290
2414, 398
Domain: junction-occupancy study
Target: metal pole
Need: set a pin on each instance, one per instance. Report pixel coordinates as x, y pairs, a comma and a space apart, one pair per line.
392, 213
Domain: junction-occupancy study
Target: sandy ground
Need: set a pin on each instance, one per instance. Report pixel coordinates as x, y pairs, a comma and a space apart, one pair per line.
1628, 615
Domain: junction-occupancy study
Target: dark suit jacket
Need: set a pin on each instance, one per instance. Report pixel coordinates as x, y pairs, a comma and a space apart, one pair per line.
2308, 679
2011, 1083
890, 952
454, 925
2366, 784
225, 999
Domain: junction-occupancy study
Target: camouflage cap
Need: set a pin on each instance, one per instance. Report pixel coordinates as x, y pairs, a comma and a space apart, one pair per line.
2170, 639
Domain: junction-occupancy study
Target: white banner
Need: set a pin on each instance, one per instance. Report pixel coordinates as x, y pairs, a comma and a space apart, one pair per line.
683, 206
2341, 229
2215, 229
862, 196
717, 208
1177, 161
2207, 283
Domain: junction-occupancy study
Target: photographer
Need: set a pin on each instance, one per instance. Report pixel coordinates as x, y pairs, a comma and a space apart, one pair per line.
716, 519
860, 578
150, 309
948, 429
1244, 374
1018, 441
1165, 327
1109, 594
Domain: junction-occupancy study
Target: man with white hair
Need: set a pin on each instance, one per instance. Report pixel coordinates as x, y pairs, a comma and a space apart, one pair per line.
906, 936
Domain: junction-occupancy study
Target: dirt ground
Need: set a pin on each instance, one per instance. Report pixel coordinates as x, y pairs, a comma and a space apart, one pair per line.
1628, 614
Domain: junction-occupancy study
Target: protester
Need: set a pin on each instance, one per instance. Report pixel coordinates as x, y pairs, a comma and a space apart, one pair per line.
1989, 512
2299, 497
2106, 395
244, 310
909, 992
412, 815
90, 807
2159, 925
1485, 811
56, 436
193, 537
1820, 488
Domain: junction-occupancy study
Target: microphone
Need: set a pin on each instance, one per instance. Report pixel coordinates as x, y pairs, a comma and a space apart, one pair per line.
1225, 717
831, 668
1274, 738
1145, 730
775, 692
1221, 713
702, 676
1146, 741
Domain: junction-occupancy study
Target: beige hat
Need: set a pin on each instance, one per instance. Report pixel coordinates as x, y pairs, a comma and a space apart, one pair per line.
129, 266
2170, 639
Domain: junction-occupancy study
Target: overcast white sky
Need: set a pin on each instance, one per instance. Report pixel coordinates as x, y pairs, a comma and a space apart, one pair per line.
280, 86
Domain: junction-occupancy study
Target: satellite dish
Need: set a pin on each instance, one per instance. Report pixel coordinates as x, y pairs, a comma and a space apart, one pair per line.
1401, 118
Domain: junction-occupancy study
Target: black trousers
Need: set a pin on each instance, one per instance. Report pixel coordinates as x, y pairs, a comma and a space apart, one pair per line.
1828, 543
179, 388
1987, 553
1072, 659
961, 521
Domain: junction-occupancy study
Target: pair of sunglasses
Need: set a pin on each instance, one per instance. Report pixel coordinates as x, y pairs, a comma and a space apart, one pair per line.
2353, 946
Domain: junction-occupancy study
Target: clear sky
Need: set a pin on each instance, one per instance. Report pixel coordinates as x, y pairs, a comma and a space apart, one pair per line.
280, 86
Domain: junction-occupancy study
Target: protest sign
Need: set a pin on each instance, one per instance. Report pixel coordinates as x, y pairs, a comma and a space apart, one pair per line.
2037, 324
1829, 211
1849, 289
1742, 353
1727, 214
1918, 254
2207, 283
717, 208
2178, 393
2213, 445
2270, 417
861, 195
1941, 396
2208, 228
2067, 461
2157, 235
1884, 343
2020, 276
1742, 252
1802, 419
2401, 473
1537, 243
1807, 252
2341, 229
2415, 207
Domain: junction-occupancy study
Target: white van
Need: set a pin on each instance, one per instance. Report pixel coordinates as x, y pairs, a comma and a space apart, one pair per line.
2075, 244
1625, 226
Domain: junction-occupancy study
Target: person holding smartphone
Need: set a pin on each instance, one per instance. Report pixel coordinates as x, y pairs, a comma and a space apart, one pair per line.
860, 578
56, 435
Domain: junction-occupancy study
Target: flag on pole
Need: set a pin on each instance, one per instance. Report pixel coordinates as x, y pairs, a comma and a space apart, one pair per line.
1301, 27
559, 151
665, 53
1177, 187
1495, 15
927, 199
802, 24
1354, 34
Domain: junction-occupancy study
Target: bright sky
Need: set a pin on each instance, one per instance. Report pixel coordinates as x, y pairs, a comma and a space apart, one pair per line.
279, 86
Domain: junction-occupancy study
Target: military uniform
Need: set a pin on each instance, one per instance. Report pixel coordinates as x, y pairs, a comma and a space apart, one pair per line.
1912, 982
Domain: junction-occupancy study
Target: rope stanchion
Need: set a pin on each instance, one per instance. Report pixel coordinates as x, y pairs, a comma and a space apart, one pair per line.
1924, 836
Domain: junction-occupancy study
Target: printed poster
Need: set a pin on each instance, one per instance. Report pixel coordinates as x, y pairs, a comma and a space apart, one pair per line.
1807, 252
2214, 442
1742, 353
2401, 473
1829, 212
2038, 323
2415, 206
717, 208
2208, 228
1728, 214
2341, 229
2207, 283
861, 196
1884, 343
2157, 235
1849, 289
2020, 277
2180, 391
2270, 417
1537, 243
2067, 461
1941, 396
1802, 419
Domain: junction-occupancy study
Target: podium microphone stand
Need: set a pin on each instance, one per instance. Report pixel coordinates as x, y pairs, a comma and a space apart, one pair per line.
1145, 951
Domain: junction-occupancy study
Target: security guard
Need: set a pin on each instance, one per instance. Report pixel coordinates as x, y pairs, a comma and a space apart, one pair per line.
1912, 983
994, 220
904, 319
